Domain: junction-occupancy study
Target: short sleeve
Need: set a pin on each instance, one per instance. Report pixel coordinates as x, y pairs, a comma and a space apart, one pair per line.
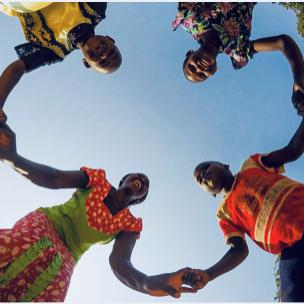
256, 161
240, 59
134, 226
99, 7
96, 176
228, 228
35, 56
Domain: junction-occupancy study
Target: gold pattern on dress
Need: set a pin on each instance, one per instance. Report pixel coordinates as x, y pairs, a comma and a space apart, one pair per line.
267, 206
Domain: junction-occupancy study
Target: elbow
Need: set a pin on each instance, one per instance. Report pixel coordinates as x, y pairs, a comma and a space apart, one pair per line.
116, 264
283, 41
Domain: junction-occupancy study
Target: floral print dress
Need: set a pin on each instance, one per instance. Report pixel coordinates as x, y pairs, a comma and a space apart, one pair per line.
231, 21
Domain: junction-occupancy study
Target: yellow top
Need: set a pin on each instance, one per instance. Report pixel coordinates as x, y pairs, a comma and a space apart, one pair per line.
49, 27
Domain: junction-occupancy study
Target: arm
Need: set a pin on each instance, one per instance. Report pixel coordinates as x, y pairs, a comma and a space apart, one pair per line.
287, 46
291, 51
40, 175
291, 152
158, 285
9, 79
235, 256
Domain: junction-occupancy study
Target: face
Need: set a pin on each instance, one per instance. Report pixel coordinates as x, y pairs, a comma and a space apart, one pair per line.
211, 176
101, 54
137, 185
199, 65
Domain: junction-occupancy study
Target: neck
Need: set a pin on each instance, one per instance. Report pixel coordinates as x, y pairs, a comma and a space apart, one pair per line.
229, 182
211, 41
116, 200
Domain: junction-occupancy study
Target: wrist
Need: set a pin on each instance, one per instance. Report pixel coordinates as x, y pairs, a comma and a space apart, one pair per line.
211, 274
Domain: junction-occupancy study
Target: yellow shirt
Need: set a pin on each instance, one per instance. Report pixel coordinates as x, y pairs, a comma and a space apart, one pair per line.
50, 26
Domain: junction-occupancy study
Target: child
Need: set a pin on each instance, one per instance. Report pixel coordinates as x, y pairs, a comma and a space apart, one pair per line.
226, 28
54, 32
267, 206
38, 255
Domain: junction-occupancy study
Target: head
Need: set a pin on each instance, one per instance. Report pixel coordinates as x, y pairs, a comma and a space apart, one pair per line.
101, 54
199, 65
212, 176
136, 186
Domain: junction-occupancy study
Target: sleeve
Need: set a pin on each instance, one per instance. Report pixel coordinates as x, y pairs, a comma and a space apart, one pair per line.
96, 176
228, 228
35, 56
135, 225
257, 158
99, 7
240, 59
243, 49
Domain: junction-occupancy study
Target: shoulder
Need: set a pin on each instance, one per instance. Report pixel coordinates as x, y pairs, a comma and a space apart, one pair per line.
255, 161
98, 7
96, 176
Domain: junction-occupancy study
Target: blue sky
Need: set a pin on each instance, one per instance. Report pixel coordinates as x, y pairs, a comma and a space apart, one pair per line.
148, 118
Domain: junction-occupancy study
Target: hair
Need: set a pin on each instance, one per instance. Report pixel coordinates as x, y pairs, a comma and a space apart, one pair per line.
134, 202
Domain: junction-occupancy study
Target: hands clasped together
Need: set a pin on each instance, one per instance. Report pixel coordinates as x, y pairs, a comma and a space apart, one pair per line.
173, 284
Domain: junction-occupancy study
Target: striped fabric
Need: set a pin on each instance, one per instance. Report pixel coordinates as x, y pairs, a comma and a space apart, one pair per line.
264, 204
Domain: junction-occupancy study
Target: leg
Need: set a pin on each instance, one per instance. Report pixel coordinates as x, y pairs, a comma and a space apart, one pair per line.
292, 273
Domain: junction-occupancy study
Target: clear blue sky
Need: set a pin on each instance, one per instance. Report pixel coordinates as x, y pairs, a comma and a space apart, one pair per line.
148, 118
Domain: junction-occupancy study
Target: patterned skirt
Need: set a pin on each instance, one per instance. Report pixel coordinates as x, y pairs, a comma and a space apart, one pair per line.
35, 265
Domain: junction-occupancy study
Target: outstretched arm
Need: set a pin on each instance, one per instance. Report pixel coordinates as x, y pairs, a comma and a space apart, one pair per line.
158, 285
40, 175
291, 152
8, 81
290, 49
235, 256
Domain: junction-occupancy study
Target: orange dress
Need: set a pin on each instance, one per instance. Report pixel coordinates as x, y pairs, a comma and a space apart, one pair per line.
264, 204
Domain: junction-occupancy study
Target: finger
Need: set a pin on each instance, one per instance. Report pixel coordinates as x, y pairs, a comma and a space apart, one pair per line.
183, 273
3, 117
191, 278
187, 290
298, 99
170, 291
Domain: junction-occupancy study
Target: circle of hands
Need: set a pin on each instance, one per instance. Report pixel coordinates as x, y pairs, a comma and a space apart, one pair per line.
173, 284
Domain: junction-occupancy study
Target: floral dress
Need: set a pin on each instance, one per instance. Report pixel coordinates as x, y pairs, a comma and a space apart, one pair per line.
38, 255
231, 21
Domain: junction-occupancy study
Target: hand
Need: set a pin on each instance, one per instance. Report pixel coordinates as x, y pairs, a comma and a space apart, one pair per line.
298, 95
196, 278
168, 284
8, 149
3, 117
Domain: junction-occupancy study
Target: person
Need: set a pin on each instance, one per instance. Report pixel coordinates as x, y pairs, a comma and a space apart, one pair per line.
264, 204
52, 33
38, 255
225, 28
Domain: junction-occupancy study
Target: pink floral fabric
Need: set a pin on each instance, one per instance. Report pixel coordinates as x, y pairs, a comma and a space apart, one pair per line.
98, 215
231, 21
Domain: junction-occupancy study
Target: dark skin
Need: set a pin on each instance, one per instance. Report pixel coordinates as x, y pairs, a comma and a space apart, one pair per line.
100, 53
215, 178
134, 188
201, 64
